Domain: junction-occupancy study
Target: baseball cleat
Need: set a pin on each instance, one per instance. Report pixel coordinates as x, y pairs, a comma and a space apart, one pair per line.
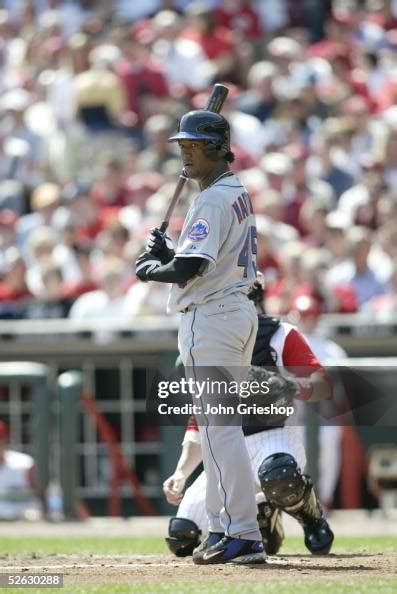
318, 537
230, 550
212, 539
271, 527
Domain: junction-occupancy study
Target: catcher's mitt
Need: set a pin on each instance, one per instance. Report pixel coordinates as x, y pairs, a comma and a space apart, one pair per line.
281, 392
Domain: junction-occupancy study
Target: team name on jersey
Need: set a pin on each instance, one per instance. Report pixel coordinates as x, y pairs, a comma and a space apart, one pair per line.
242, 207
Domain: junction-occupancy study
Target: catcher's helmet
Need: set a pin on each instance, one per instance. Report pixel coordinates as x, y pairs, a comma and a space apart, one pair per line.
211, 127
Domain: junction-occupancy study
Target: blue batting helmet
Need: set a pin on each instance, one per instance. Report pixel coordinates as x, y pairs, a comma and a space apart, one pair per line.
209, 126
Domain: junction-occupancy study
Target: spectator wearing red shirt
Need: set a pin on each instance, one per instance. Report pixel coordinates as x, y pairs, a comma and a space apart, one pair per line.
297, 191
86, 215
111, 191
140, 76
341, 298
215, 41
239, 16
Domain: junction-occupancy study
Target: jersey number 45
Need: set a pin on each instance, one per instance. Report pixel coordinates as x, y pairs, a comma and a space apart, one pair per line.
247, 256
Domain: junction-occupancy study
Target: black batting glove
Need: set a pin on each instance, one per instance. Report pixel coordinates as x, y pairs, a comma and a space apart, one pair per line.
160, 246
145, 264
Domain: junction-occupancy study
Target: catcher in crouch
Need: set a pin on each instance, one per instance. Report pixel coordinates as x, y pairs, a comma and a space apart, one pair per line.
276, 452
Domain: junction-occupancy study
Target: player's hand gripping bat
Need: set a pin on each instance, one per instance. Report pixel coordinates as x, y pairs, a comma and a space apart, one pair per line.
215, 102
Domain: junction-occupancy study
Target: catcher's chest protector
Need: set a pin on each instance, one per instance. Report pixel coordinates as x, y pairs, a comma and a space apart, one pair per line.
263, 354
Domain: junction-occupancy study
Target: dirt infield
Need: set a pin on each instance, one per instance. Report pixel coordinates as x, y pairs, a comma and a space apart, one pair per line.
105, 569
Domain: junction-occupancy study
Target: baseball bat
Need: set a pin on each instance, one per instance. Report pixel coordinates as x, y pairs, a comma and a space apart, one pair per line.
215, 102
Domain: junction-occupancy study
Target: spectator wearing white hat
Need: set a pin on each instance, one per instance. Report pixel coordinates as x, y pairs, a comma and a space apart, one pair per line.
276, 166
44, 201
336, 224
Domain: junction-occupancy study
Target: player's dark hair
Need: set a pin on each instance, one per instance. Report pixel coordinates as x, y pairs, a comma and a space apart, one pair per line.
229, 157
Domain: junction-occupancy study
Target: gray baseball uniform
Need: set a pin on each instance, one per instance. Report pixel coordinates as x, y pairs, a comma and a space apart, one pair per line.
219, 227
218, 328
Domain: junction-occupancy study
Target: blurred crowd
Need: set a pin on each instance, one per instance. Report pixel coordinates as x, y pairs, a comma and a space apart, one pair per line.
90, 92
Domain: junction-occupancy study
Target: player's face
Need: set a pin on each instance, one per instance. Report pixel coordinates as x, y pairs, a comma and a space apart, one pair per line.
195, 162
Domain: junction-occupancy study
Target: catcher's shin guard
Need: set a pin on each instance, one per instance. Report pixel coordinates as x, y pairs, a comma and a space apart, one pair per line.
183, 537
286, 487
270, 526
309, 513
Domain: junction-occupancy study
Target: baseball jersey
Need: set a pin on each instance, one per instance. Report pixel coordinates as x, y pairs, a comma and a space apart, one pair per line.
220, 228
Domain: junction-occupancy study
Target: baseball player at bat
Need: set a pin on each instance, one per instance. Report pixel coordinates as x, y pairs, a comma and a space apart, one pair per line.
277, 454
211, 271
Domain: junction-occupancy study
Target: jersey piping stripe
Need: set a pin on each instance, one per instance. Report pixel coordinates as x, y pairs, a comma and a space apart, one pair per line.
201, 255
206, 428
192, 345
220, 481
207, 256
227, 186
